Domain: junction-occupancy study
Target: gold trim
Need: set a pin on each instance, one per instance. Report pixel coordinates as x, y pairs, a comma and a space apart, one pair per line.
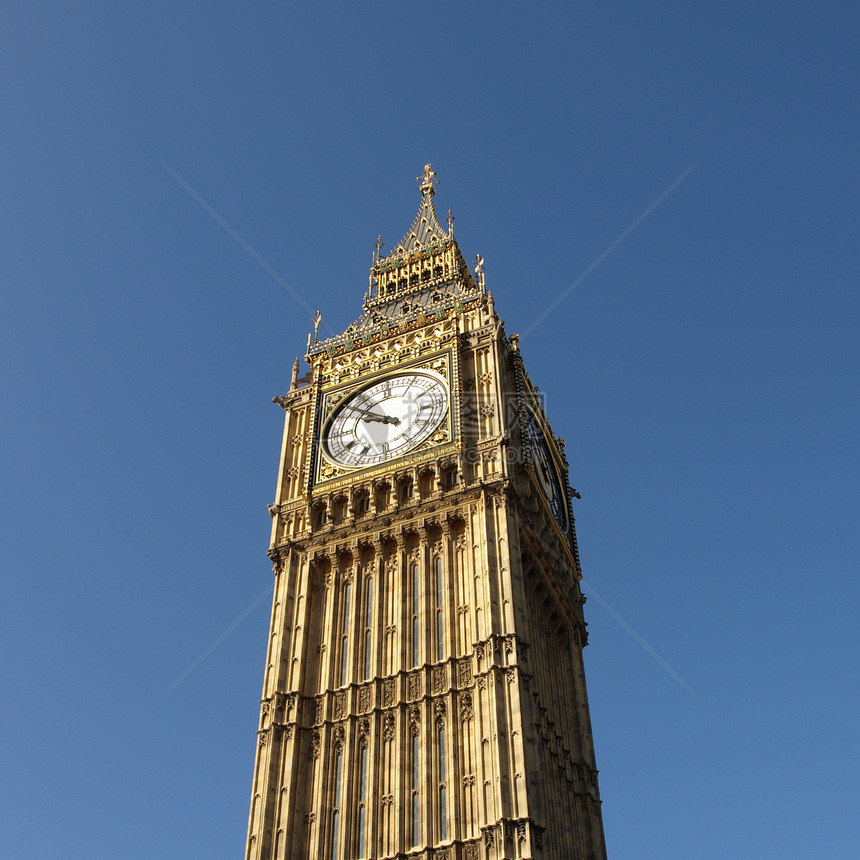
444, 363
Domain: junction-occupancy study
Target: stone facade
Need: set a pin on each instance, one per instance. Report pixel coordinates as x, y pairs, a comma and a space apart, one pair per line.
424, 692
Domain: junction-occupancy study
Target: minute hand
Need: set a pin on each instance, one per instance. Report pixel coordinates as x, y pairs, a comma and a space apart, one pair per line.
373, 416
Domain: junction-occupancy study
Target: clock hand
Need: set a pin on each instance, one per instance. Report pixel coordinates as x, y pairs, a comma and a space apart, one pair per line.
373, 416
383, 419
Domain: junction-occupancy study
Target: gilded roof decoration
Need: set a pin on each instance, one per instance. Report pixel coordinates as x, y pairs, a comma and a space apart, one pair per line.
424, 276
426, 229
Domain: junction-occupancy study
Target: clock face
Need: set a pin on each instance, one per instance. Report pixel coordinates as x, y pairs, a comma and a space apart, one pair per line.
387, 419
545, 470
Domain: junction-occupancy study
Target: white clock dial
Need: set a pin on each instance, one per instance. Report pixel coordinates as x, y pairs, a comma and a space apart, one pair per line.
386, 419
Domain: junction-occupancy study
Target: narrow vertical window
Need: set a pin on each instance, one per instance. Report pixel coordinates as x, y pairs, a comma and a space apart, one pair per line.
362, 802
440, 614
338, 776
443, 805
347, 595
344, 660
368, 622
335, 833
335, 816
416, 604
344, 640
416, 782
442, 772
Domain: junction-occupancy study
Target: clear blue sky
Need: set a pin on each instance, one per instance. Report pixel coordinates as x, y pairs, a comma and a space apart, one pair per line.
704, 376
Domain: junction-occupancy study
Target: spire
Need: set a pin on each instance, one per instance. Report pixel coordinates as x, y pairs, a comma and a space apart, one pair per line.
426, 229
424, 275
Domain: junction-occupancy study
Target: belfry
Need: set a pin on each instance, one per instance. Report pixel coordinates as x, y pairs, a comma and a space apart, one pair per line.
424, 692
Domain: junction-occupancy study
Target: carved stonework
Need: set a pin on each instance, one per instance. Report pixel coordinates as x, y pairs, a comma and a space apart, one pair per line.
388, 728
340, 706
464, 669
328, 471
466, 708
440, 679
414, 686
415, 719
388, 693
364, 699
315, 744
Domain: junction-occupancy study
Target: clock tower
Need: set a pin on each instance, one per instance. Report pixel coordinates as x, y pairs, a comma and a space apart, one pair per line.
424, 692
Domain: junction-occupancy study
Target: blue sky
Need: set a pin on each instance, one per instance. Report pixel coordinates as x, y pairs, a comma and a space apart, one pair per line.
704, 375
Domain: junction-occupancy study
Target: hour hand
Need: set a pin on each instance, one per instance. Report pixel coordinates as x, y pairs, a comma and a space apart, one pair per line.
373, 416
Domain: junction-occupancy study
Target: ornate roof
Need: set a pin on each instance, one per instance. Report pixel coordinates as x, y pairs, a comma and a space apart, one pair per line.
426, 229
424, 276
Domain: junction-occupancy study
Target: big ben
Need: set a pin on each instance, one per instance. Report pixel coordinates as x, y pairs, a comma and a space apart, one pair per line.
424, 692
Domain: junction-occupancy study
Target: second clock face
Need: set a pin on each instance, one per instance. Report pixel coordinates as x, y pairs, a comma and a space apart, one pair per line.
545, 470
387, 419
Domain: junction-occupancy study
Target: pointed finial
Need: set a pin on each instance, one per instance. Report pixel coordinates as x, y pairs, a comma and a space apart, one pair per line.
450, 220
479, 272
294, 379
316, 319
427, 181
378, 246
